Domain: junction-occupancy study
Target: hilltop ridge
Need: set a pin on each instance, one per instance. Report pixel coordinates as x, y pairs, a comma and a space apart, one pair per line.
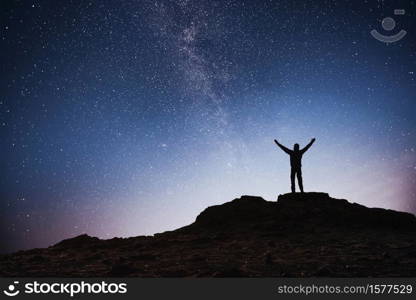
308, 234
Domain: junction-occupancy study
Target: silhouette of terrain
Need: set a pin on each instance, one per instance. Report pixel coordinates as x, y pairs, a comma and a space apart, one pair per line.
301, 235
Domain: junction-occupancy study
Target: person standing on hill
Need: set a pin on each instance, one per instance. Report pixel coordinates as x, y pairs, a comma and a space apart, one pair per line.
296, 162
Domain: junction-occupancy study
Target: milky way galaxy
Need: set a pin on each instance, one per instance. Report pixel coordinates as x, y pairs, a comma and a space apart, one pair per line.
124, 118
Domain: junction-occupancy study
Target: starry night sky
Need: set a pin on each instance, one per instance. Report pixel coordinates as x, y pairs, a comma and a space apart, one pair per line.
124, 118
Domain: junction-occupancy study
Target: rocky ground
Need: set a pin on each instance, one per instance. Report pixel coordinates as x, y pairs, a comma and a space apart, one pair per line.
301, 235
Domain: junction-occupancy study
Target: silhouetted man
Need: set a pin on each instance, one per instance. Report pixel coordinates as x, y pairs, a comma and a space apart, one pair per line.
295, 162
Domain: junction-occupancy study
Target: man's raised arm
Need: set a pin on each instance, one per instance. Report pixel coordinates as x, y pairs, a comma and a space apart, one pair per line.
308, 146
288, 151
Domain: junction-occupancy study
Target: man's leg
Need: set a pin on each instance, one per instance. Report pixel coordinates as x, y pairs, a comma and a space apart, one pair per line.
300, 182
292, 180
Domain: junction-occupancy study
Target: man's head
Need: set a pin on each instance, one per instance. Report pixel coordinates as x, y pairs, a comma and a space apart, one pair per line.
296, 147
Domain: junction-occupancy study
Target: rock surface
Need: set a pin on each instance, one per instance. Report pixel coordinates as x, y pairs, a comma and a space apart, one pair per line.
300, 235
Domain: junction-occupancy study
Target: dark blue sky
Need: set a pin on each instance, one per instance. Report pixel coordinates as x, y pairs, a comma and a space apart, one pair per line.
121, 118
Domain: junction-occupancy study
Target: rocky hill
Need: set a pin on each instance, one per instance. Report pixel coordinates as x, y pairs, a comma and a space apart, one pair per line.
300, 235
